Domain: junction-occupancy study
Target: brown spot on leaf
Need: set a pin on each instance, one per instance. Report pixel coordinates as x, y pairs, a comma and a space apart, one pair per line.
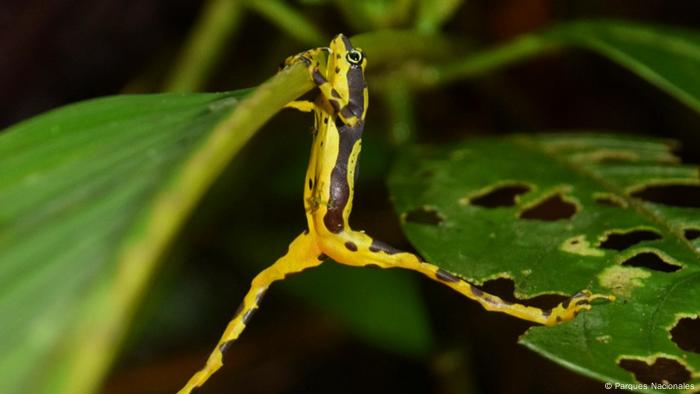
501, 196
550, 209
662, 370
685, 334
622, 241
652, 261
424, 215
225, 346
675, 195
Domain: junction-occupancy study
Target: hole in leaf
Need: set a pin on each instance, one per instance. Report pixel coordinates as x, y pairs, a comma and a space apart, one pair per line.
424, 215
611, 200
676, 195
652, 261
662, 370
617, 241
502, 196
551, 209
505, 289
685, 334
691, 234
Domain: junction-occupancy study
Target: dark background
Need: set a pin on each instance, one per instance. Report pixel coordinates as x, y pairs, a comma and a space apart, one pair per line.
58, 52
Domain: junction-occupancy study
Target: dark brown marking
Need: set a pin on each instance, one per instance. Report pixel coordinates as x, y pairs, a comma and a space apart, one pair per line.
225, 346
260, 296
337, 69
445, 276
351, 246
546, 312
346, 112
322, 257
373, 266
317, 77
477, 291
335, 93
346, 41
311, 184
379, 246
565, 304
248, 315
349, 135
558, 319
306, 231
325, 121
339, 187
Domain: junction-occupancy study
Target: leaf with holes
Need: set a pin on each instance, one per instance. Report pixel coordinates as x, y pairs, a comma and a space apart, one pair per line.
561, 213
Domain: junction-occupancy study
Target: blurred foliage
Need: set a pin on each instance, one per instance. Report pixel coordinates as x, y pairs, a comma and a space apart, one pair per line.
86, 188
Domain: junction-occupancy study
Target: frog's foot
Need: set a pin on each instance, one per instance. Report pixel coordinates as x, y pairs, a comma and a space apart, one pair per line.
568, 309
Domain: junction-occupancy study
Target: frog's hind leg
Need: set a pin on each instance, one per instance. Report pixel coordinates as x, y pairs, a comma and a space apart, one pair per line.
358, 249
303, 253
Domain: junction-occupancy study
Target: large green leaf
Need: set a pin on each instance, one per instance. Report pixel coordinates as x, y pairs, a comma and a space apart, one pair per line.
561, 213
668, 57
90, 196
74, 183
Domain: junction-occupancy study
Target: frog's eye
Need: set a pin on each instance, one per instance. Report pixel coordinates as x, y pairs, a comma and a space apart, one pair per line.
354, 57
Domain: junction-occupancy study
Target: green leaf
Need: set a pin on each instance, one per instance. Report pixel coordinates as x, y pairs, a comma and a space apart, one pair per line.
668, 57
432, 14
565, 212
74, 182
90, 196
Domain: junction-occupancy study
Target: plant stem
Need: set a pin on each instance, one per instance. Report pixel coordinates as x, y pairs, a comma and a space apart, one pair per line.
289, 20
212, 31
484, 61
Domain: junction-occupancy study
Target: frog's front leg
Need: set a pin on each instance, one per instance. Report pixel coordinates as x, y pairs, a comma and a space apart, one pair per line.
358, 249
302, 254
